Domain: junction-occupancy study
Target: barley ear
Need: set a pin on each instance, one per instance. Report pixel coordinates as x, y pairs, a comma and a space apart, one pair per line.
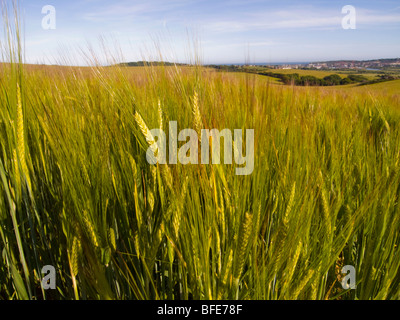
74, 257
283, 230
325, 206
90, 229
16, 170
137, 244
300, 287
290, 204
225, 273
160, 114
243, 241
292, 263
111, 239
197, 122
146, 133
21, 137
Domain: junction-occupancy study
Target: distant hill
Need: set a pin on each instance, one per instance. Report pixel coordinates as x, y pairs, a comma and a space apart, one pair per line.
150, 63
393, 60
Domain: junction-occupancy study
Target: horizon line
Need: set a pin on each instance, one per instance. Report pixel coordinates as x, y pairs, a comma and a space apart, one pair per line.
208, 64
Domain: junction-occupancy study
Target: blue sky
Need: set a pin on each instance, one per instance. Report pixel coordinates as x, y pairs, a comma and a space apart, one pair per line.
232, 31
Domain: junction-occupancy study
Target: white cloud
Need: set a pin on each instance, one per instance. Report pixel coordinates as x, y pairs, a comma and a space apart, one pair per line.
299, 19
126, 9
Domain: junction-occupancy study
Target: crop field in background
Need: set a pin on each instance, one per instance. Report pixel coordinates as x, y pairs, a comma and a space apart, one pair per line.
316, 73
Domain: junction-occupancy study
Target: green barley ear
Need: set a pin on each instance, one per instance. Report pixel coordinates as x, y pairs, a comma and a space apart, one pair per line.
325, 206
283, 231
386, 124
136, 244
292, 263
74, 257
242, 244
150, 200
197, 115
290, 204
326, 210
225, 273
111, 239
16, 170
221, 214
167, 176
302, 284
90, 229
133, 164
179, 209
176, 220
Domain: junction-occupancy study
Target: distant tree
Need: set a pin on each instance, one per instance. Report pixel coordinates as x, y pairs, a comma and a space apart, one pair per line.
285, 78
387, 77
357, 78
345, 81
310, 81
332, 80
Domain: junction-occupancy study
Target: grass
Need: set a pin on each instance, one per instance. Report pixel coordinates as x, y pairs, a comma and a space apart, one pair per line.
384, 88
78, 193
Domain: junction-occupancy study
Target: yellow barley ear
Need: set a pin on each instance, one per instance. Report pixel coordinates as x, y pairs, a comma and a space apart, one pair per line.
21, 138
160, 114
197, 122
146, 133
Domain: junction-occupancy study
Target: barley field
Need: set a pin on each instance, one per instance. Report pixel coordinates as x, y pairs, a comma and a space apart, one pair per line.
78, 194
